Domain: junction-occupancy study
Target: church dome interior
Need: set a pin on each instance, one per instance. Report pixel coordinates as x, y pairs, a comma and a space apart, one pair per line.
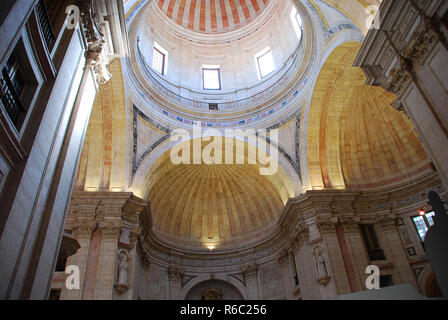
222, 149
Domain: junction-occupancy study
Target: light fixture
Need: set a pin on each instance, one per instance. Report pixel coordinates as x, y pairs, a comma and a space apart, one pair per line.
422, 212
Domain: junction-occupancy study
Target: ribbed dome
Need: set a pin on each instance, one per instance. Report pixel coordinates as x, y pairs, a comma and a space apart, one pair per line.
356, 139
378, 144
212, 16
214, 205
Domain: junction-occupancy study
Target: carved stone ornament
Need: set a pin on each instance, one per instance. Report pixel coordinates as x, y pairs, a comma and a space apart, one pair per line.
299, 236
122, 283
350, 224
250, 271
401, 77
423, 42
323, 277
387, 222
95, 41
144, 256
326, 225
283, 257
175, 274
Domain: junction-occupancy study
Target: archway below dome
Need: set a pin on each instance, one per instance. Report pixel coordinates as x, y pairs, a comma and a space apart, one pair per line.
215, 206
214, 289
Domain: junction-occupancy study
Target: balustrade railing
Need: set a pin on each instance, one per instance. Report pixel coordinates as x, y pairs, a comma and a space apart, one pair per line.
10, 99
45, 24
258, 98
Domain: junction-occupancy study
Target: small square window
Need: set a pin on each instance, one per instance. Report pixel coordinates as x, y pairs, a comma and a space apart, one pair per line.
211, 77
265, 63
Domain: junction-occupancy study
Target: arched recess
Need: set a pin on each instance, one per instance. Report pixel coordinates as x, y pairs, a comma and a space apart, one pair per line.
355, 138
212, 206
204, 279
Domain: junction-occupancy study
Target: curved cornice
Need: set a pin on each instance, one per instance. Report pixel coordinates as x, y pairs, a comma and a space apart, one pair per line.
299, 214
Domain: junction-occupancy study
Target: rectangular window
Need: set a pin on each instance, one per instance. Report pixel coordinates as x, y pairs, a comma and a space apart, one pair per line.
159, 59
211, 77
422, 224
297, 22
371, 242
265, 62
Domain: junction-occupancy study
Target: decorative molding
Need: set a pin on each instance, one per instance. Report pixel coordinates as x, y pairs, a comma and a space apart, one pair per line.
250, 271
175, 274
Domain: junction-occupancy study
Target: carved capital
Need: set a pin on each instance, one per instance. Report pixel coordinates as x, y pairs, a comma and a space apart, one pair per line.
350, 224
326, 225
175, 274
111, 229
387, 222
422, 42
283, 257
250, 271
299, 236
401, 78
144, 256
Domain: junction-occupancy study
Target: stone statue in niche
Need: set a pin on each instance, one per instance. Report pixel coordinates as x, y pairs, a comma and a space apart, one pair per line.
123, 269
321, 266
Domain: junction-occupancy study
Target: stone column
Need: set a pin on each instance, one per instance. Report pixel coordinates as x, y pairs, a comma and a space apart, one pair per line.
108, 257
395, 251
301, 252
175, 276
107, 225
336, 266
81, 228
286, 274
356, 250
250, 273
